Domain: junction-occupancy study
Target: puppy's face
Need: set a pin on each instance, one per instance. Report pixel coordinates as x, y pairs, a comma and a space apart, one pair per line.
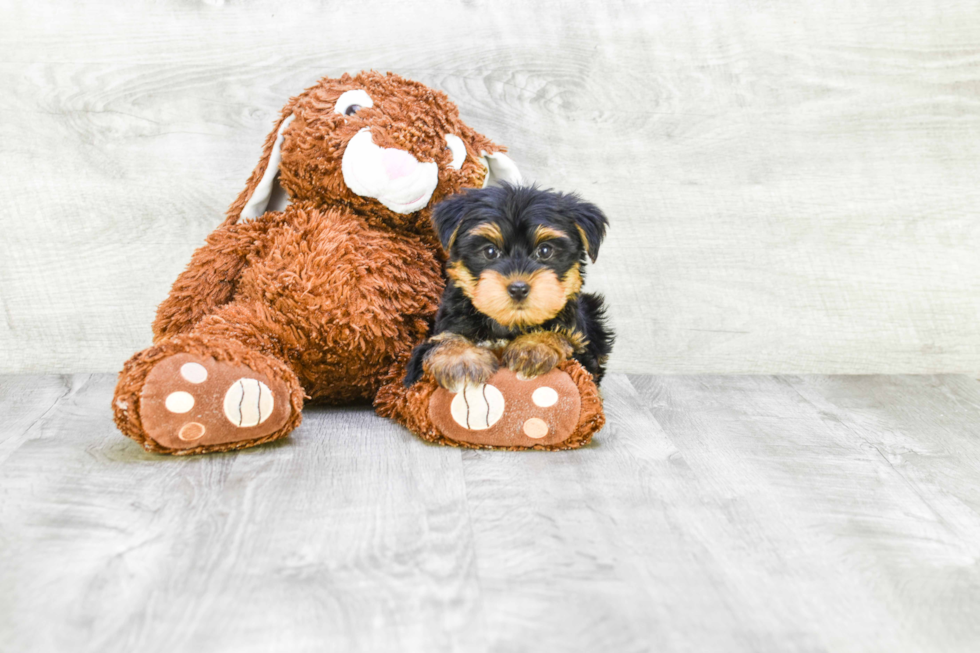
517, 252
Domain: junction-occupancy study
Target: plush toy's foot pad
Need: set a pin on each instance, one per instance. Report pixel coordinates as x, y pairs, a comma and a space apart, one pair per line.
192, 401
509, 411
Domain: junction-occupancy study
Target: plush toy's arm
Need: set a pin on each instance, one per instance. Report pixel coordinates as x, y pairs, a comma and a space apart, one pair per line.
210, 278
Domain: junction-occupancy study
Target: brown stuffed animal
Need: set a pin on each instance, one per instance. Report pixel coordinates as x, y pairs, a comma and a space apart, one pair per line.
324, 276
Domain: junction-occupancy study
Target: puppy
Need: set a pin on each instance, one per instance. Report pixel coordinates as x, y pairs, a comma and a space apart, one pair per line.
516, 267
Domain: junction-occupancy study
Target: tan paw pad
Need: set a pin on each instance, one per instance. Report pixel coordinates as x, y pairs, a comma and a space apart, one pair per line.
192, 431
535, 428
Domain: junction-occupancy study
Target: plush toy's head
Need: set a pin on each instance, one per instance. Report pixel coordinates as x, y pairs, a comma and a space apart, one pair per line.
386, 147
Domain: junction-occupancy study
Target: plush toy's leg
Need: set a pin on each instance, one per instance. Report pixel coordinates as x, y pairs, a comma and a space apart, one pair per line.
213, 389
558, 410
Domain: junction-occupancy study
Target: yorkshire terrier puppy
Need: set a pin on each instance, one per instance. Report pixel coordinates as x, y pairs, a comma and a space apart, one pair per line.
516, 267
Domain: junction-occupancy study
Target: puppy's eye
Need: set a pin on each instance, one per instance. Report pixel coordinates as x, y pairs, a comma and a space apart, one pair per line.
350, 102
490, 252
544, 252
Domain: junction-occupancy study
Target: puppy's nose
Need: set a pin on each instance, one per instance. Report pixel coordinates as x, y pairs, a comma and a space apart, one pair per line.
398, 163
518, 290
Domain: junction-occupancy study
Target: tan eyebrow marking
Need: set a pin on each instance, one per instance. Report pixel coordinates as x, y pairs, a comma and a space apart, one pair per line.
543, 232
452, 239
491, 232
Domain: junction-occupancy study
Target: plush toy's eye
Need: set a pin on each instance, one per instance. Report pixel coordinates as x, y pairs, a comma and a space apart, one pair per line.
350, 102
490, 252
456, 146
544, 252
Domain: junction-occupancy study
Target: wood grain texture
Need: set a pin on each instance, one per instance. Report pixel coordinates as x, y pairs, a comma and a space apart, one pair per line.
792, 186
830, 540
712, 514
349, 534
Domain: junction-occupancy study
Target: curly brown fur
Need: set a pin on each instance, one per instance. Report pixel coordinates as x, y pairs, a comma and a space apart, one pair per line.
336, 287
516, 257
407, 115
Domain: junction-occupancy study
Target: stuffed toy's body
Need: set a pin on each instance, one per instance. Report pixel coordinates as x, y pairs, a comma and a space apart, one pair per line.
324, 276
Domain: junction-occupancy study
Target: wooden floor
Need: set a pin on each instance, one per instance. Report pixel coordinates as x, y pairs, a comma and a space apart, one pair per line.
712, 514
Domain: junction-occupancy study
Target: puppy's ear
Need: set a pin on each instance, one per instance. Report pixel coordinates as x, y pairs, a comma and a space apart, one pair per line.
590, 222
447, 216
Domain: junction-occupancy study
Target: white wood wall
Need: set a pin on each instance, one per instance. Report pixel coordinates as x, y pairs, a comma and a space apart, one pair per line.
793, 186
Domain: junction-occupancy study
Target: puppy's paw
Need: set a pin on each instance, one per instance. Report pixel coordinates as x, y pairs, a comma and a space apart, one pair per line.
538, 353
456, 362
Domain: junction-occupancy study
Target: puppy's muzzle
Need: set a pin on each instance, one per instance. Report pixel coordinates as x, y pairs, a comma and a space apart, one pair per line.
518, 290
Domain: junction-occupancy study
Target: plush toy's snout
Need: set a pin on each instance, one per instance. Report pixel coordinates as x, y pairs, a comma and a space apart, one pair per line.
401, 182
390, 175
398, 163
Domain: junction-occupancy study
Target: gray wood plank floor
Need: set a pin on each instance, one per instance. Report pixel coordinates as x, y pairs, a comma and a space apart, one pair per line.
740, 513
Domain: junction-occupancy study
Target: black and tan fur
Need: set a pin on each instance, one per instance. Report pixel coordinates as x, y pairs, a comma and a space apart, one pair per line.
516, 266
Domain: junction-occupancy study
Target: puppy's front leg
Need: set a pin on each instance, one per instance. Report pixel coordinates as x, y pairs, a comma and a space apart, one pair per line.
454, 361
534, 354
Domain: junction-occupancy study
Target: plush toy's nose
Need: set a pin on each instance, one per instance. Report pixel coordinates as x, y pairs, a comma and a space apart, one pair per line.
398, 163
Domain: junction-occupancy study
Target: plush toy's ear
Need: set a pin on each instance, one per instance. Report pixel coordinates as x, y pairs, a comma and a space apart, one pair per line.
500, 167
589, 220
262, 192
447, 216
